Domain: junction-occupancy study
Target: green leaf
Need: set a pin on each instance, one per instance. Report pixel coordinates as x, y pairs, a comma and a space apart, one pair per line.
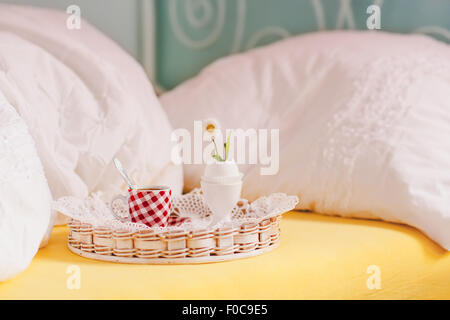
227, 146
217, 157
224, 151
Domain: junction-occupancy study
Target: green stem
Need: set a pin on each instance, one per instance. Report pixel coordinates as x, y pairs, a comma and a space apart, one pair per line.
217, 156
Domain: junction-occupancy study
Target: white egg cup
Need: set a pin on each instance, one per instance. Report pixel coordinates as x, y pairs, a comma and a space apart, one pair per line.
221, 186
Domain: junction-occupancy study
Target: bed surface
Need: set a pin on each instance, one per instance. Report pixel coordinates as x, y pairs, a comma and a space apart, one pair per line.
319, 257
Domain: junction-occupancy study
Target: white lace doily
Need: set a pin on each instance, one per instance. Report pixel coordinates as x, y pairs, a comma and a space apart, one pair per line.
93, 210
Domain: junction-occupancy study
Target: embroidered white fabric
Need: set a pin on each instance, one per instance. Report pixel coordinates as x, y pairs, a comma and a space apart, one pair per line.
93, 210
25, 198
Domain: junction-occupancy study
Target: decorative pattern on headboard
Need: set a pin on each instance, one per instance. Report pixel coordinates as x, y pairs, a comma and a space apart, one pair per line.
192, 33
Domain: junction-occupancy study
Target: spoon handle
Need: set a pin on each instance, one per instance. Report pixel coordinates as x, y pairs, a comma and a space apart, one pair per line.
123, 173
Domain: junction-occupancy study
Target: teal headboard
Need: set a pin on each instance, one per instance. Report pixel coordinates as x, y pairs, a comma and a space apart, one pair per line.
192, 33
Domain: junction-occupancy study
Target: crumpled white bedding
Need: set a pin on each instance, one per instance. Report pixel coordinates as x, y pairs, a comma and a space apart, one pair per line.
84, 101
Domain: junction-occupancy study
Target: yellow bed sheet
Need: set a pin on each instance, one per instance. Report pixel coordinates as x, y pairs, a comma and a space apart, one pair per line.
319, 258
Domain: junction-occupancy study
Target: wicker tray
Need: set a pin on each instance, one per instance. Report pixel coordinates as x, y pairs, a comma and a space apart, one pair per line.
174, 247
254, 229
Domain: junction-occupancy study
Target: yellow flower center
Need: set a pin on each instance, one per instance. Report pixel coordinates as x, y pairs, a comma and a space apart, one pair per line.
210, 127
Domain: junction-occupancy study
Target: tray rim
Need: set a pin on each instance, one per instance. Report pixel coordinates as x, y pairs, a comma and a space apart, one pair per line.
181, 261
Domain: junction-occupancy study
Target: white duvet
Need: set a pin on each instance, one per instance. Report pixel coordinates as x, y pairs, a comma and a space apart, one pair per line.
84, 101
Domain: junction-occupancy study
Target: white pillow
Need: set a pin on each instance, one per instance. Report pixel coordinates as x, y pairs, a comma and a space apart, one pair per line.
85, 101
24, 194
364, 121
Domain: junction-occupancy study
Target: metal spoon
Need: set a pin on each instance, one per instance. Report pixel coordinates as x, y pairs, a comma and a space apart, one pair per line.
123, 173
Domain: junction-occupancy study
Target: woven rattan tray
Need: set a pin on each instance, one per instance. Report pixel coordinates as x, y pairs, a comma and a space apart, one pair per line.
254, 229
174, 247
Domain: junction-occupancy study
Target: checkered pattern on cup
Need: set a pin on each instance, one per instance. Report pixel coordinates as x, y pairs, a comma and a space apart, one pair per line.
176, 221
150, 206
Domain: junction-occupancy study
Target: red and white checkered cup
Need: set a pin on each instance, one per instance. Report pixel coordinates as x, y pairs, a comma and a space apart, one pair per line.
150, 206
